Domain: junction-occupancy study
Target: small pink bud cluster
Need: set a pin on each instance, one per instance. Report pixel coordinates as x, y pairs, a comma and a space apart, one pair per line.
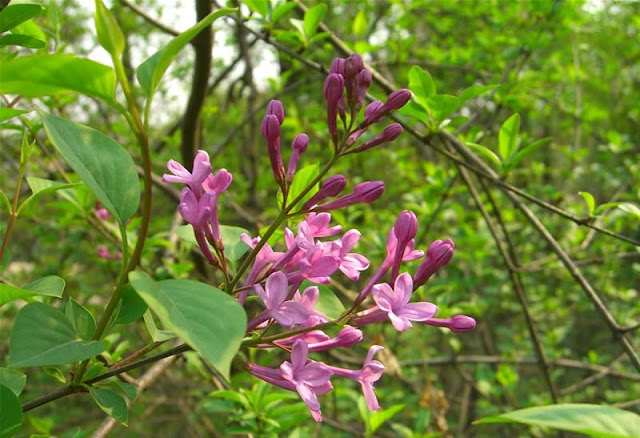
102, 251
199, 202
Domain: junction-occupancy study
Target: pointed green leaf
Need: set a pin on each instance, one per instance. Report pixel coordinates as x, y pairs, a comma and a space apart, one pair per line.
485, 152
378, 418
42, 336
299, 26
26, 41
508, 136
280, 10
156, 335
16, 13
12, 379
40, 186
443, 105
111, 403
591, 202
528, 150
132, 307
51, 286
9, 113
359, 26
43, 75
81, 319
604, 207
55, 373
474, 91
210, 321
312, 19
421, 85
630, 208
100, 162
259, 6
301, 180
10, 414
150, 72
593, 420
109, 34
5, 201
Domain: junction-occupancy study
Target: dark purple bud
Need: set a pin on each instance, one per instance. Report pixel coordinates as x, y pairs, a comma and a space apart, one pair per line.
364, 82
333, 88
397, 99
270, 130
438, 254
299, 145
372, 109
389, 133
332, 186
270, 127
275, 107
337, 66
355, 136
352, 66
369, 191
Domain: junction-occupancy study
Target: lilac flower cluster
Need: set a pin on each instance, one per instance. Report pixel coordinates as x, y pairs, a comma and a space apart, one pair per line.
317, 250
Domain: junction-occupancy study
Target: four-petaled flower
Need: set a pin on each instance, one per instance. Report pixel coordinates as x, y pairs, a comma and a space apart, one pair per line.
395, 302
274, 296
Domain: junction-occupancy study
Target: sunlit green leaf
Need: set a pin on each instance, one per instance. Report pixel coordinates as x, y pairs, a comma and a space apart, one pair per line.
8, 113
109, 34
13, 39
508, 137
421, 85
17, 12
312, 19
40, 186
111, 403
594, 420
280, 10
527, 150
485, 152
359, 26
591, 202
301, 180
259, 6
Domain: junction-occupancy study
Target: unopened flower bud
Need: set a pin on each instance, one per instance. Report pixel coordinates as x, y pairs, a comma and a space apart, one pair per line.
438, 254
299, 145
270, 130
333, 88
275, 107
457, 324
365, 192
352, 66
364, 82
405, 227
348, 337
331, 187
389, 133
398, 99
337, 66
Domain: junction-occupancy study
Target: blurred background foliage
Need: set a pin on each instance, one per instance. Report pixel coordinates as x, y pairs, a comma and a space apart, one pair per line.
570, 69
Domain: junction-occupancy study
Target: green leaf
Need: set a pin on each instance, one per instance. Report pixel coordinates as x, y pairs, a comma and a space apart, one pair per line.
10, 414
132, 307
27, 41
359, 26
378, 418
40, 186
43, 336
259, 6
111, 403
44, 75
30, 28
6, 202
312, 19
100, 162
474, 91
129, 390
81, 319
280, 10
16, 13
527, 150
210, 321
156, 334
327, 303
485, 152
299, 26
593, 420
604, 207
51, 286
150, 72
109, 34
9, 113
508, 136
591, 202
234, 248
55, 373
12, 379
301, 180
630, 208
443, 105
421, 85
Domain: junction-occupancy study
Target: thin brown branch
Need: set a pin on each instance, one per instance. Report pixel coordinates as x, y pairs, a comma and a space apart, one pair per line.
149, 19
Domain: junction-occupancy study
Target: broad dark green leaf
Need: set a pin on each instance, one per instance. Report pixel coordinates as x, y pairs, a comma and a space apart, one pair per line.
42, 336
40, 186
312, 19
82, 320
421, 85
111, 403
508, 137
150, 72
132, 307
44, 75
100, 162
13, 39
51, 286
16, 13
594, 420
109, 34
12, 379
10, 414
9, 113
210, 321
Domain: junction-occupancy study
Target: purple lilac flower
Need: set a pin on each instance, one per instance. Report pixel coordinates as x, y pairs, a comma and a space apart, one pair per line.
274, 295
404, 230
201, 170
306, 375
395, 302
351, 264
370, 373
309, 299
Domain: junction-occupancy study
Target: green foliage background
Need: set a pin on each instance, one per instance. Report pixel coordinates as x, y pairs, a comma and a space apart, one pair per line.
569, 68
